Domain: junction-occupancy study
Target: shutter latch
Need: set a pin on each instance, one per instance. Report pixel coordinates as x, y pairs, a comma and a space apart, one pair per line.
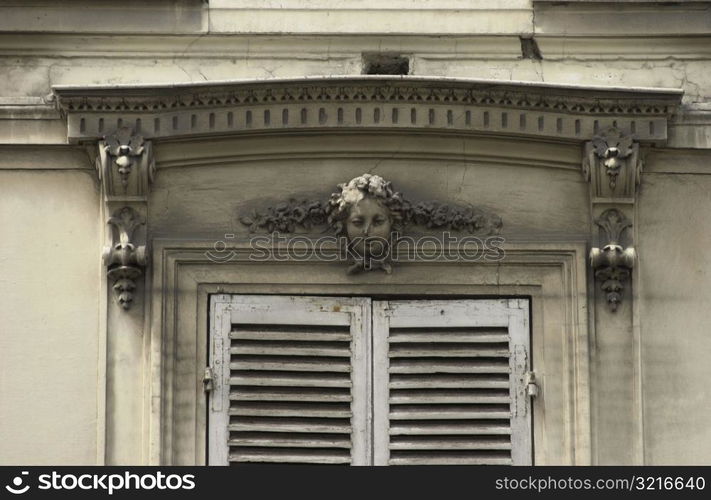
531, 385
207, 379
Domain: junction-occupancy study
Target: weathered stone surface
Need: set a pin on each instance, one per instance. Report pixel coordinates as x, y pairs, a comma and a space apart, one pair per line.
65, 402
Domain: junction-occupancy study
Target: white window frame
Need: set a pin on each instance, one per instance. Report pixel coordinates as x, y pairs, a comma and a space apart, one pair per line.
370, 321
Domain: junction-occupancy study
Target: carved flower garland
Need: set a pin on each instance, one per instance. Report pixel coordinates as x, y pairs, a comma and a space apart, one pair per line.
286, 217
306, 214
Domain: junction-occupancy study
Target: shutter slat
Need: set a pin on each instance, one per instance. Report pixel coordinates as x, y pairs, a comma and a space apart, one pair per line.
291, 456
439, 397
445, 351
441, 413
292, 410
291, 335
296, 394
435, 382
449, 336
288, 365
291, 349
288, 425
293, 442
441, 460
434, 443
420, 428
418, 366
301, 380
242, 334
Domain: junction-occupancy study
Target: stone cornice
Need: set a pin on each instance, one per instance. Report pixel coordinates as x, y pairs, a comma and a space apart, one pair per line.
534, 109
631, 17
217, 46
564, 47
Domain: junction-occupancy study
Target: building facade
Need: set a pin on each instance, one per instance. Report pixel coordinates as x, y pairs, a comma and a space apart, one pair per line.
449, 231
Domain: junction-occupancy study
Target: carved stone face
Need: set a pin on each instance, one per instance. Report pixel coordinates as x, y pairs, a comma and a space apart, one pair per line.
368, 228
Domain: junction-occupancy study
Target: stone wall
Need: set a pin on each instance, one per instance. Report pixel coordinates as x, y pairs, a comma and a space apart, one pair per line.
52, 291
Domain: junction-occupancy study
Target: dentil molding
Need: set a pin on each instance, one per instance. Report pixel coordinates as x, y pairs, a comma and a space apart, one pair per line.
563, 112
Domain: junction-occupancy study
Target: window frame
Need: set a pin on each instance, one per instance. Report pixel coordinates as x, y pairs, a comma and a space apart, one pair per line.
370, 321
553, 275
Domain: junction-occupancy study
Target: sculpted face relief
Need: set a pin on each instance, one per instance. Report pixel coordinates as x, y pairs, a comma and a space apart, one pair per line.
364, 210
368, 227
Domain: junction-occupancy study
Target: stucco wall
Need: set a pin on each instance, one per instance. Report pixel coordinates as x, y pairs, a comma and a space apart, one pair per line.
674, 237
49, 341
497, 173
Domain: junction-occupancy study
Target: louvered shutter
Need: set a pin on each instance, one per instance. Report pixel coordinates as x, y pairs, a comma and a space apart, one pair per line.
450, 382
291, 380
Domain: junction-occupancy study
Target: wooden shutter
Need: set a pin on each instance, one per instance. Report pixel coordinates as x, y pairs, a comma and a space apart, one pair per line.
291, 380
449, 382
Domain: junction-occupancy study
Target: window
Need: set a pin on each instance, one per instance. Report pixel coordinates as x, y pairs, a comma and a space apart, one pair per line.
338, 380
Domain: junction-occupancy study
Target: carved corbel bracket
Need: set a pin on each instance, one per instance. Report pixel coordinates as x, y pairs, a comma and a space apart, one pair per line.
612, 166
126, 169
125, 258
613, 262
125, 164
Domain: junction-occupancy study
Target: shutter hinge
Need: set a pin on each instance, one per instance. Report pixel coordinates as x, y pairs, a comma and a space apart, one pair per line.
531, 384
207, 379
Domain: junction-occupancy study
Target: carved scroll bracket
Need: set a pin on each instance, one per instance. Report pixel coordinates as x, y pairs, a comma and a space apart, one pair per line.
612, 166
126, 258
613, 262
126, 169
